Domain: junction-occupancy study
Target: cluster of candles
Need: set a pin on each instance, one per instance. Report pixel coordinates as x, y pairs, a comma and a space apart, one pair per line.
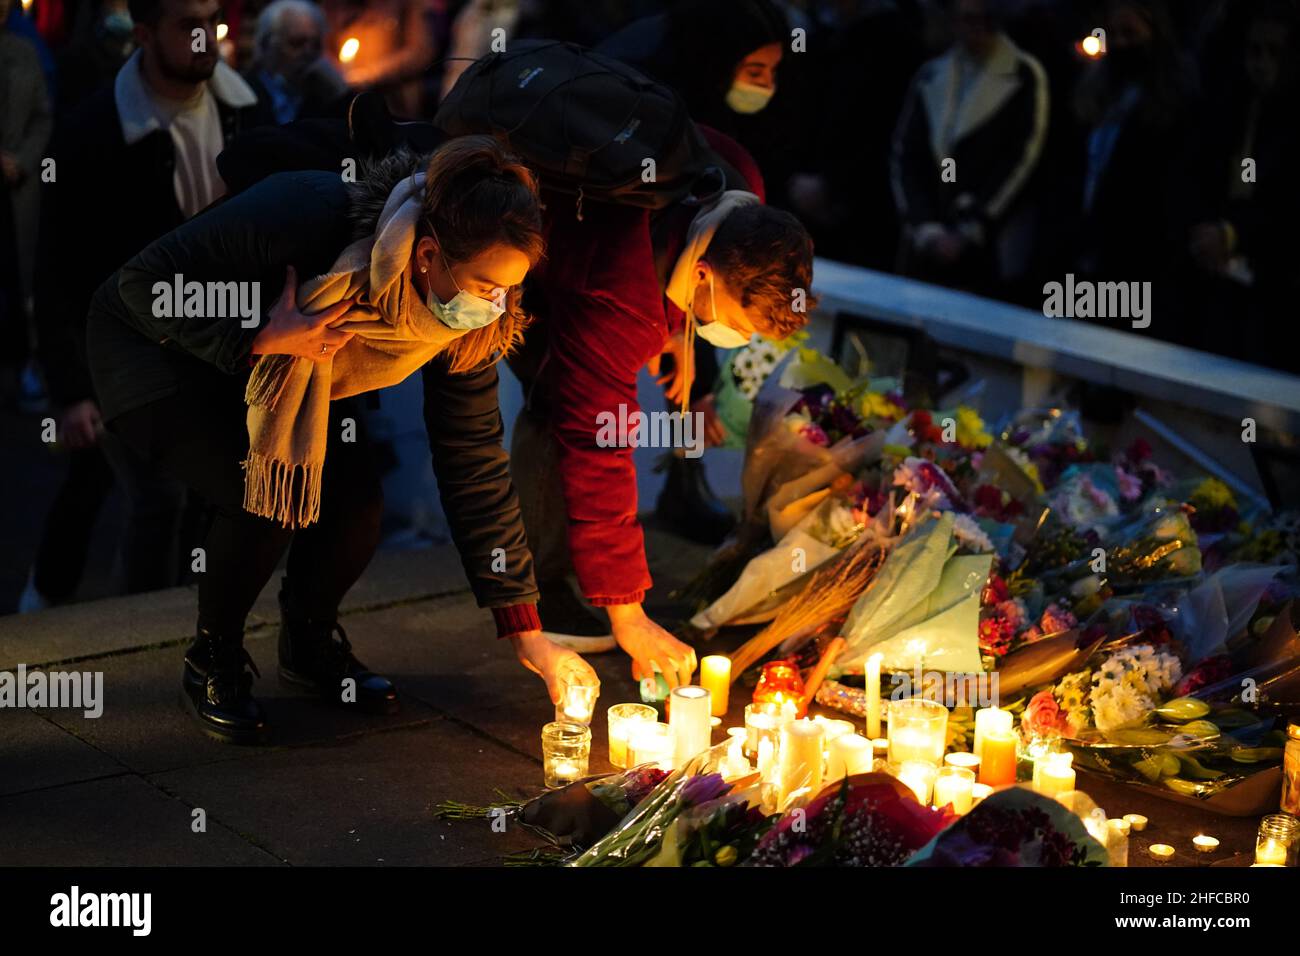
794, 756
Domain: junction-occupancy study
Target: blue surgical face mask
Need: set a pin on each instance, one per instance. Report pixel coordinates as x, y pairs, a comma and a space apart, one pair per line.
747, 97
464, 311
715, 333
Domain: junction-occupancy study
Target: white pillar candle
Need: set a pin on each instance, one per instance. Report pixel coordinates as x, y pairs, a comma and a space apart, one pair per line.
1117, 841
849, 754
715, 677
955, 786
986, 720
800, 759
689, 719
979, 792
873, 696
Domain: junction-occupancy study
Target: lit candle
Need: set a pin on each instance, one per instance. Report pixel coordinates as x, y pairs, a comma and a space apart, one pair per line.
1117, 841
650, 743
577, 703
834, 728
1161, 851
1271, 852
566, 747
622, 719
955, 786
920, 777
734, 764
800, 759
988, 719
689, 718
759, 719
348, 51
963, 760
918, 730
849, 754
979, 792
715, 677
998, 758
1055, 774
1205, 844
1136, 821
873, 696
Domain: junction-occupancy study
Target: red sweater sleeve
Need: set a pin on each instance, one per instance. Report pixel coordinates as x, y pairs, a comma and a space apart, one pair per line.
606, 320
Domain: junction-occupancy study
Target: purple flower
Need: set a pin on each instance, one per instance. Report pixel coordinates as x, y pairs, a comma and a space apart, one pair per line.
704, 788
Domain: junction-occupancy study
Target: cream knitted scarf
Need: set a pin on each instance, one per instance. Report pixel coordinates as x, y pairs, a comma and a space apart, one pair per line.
288, 397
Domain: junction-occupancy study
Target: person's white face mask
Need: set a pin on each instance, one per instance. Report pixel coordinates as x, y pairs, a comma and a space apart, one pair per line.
715, 332
748, 97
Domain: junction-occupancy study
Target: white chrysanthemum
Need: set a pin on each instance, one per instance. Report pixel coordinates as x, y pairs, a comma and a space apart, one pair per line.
969, 533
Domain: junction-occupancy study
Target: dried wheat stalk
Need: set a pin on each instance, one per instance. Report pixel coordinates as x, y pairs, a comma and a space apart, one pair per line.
832, 590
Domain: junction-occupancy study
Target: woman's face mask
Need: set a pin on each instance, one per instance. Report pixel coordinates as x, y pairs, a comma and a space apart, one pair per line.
715, 333
748, 97
464, 311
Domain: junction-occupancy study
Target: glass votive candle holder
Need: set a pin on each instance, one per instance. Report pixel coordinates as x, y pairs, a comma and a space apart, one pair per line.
566, 750
919, 775
918, 731
955, 786
760, 719
1278, 840
650, 743
577, 703
623, 719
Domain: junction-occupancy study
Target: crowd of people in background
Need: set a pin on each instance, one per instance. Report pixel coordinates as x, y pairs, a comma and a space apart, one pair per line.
987, 145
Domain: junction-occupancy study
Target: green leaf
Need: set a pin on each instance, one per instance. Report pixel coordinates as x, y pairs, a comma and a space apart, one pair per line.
1183, 708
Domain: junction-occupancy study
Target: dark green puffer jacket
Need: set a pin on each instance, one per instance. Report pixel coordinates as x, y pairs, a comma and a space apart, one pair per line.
304, 219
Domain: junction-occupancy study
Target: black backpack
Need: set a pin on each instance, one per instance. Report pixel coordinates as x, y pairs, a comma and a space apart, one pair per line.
586, 123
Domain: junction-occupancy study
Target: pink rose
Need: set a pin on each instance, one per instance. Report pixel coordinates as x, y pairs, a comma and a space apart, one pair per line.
1043, 717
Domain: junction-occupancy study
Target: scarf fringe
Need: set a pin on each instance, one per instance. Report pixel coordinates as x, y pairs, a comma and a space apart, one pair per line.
283, 491
266, 384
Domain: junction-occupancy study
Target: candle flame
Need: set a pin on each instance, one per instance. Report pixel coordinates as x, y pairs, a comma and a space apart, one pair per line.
223, 30
348, 52
1091, 46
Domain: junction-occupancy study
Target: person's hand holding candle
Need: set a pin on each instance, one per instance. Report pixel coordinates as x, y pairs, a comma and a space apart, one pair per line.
556, 665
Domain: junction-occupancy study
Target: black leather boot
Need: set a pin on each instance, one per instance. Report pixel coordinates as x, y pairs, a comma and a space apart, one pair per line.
216, 688
317, 656
688, 507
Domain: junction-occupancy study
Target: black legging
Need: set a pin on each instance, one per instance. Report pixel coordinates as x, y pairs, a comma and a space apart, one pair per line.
200, 436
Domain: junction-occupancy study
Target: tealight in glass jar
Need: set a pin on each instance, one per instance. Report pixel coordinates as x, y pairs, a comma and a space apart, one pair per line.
566, 750
1278, 841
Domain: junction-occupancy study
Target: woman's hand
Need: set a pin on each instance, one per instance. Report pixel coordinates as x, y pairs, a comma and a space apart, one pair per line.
648, 644
289, 332
556, 665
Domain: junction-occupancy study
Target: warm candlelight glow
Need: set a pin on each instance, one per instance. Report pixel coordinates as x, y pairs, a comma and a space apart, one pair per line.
1161, 851
1091, 45
987, 719
715, 677
920, 777
689, 719
872, 675
998, 760
918, 730
348, 51
223, 30
800, 760
1136, 821
650, 743
623, 719
848, 754
955, 786
1205, 844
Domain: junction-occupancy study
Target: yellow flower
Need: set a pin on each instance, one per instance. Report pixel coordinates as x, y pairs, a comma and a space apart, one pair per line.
970, 429
876, 405
1213, 495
